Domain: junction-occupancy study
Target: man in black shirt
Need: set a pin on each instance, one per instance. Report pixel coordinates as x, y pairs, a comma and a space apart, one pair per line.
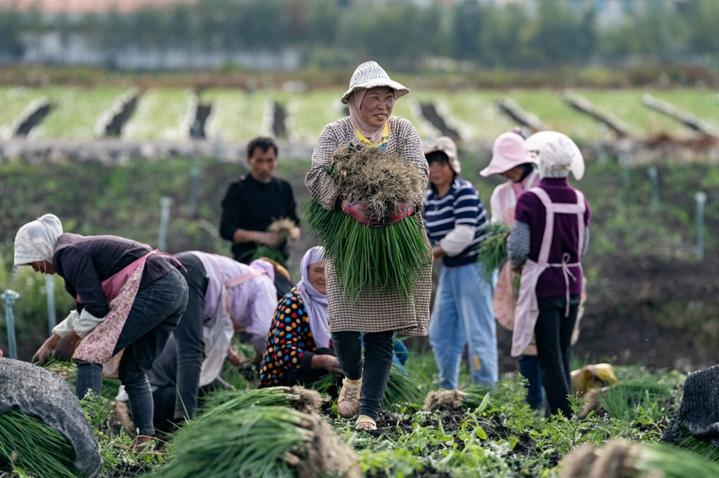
254, 201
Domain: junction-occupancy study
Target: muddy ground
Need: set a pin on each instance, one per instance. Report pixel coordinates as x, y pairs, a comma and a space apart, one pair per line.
657, 312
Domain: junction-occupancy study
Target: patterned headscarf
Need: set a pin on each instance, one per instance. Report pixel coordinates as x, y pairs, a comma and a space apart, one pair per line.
35, 241
314, 302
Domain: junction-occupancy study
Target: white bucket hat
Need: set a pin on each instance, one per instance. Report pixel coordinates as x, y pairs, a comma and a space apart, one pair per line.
446, 145
556, 153
370, 75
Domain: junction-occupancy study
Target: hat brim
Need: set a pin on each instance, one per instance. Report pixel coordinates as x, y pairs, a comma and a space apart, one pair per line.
501, 165
399, 88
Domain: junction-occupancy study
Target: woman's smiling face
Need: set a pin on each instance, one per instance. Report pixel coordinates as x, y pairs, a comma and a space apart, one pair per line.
377, 105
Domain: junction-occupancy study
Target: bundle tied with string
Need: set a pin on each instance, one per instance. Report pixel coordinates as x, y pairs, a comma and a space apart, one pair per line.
381, 255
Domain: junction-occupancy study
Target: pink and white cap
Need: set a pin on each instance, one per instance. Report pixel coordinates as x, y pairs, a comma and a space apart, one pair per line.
508, 152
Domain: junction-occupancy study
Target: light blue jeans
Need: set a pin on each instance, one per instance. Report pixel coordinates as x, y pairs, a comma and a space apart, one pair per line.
462, 315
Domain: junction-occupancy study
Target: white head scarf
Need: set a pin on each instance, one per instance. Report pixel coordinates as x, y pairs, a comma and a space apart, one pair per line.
314, 302
35, 241
557, 155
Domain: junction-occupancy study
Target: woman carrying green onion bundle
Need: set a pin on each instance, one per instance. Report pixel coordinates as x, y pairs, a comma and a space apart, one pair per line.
377, 312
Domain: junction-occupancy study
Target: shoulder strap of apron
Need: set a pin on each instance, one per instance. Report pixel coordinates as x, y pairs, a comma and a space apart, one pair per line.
549, 207
581, 208
242, 278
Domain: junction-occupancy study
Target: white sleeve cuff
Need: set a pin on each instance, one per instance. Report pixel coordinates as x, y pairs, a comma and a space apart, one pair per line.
86, 322
66, 326
457, 240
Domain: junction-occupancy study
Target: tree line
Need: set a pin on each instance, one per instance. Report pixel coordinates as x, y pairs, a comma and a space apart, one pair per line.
400, 33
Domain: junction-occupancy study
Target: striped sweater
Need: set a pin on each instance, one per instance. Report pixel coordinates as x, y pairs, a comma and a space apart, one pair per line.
460, 206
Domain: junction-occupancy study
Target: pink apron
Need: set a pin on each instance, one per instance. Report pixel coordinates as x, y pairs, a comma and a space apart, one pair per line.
527, 309
505, 298
120, 291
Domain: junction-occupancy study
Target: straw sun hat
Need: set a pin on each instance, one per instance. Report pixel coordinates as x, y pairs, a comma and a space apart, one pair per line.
370, 75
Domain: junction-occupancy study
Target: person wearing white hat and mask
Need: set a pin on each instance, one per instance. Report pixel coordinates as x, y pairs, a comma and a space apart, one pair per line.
376, 314
547, 241
128, 300
510, 160
462, 314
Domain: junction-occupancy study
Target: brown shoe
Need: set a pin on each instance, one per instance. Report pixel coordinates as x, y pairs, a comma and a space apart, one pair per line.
143, 444
365, 423
348, 401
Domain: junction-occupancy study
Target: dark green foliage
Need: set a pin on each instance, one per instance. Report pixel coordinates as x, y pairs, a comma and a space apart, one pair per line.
28, 445
365, 258
269, 253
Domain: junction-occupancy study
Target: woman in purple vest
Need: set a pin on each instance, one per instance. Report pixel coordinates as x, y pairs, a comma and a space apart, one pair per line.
547, 241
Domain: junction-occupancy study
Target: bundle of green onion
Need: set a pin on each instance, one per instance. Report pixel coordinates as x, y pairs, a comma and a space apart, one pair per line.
68, 371
326, 384
624, 459
250, 442
227, 401
658, 459
366, 258
621, 399
468, 399
493, 249
31, 448
402, 389
386, 257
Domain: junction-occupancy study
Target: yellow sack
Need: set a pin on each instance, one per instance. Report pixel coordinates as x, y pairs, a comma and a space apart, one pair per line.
592, 376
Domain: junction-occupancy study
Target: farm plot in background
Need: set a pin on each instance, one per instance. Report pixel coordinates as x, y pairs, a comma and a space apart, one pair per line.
627, 106
700, 102
475, 113
14, 101
556, 114
310, 112
237, 115
76, 112
162, 115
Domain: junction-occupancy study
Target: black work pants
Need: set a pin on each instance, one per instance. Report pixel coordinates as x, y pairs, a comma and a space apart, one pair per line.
375, 368
553, 333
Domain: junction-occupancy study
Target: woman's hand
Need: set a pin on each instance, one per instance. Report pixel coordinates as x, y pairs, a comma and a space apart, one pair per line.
42, 354
66, 346
437, 252
327, 362
271, 239
234, 358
